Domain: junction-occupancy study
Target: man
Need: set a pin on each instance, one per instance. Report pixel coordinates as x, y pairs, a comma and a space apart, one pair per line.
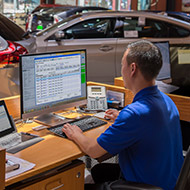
146, 134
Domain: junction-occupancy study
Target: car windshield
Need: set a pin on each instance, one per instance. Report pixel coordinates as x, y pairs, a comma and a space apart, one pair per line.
54, 11
58, 25
42, 9
9, 30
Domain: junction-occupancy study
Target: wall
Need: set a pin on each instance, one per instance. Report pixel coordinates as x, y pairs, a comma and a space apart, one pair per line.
161, 5
69, 2
177, 4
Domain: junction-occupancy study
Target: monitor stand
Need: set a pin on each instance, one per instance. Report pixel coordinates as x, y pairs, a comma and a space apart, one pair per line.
51, 119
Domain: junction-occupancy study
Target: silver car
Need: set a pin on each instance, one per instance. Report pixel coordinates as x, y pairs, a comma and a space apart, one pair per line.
105, 35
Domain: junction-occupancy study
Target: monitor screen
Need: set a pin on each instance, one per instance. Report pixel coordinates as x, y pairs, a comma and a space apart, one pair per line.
52, 81
6, 126
165, 72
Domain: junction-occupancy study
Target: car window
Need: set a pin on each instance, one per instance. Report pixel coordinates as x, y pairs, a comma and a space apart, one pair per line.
131, 27
127, 27
161, 29
94, 28
177, 31
39, 22
57, 25
154, 29
141, 27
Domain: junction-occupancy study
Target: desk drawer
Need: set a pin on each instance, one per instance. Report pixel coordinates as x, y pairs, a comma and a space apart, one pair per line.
71, 179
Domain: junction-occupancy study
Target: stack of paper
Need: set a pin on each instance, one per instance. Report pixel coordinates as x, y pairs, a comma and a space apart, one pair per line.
24, 166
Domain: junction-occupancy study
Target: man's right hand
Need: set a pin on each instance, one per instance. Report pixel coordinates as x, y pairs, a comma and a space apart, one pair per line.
71, 131
111, 114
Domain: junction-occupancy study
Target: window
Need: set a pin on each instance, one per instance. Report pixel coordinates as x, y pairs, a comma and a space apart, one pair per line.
160, 29
154, 29
95, 28
126, 27
176, 31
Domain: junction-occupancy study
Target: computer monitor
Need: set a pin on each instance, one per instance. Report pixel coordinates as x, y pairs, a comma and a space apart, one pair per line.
51, 82
165, 72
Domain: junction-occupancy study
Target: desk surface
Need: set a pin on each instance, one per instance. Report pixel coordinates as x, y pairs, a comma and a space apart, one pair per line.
49, 153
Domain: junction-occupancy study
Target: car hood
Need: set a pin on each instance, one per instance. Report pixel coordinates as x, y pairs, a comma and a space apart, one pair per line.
10, 30
29, 44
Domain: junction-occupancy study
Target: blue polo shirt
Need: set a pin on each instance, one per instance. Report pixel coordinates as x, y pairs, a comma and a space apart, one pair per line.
147, 137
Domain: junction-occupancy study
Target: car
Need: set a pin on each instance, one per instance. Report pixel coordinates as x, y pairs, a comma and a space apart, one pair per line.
44, 16
39, 8
105, 35
187, 4
43, 7
179, 15
10, 49
9, 34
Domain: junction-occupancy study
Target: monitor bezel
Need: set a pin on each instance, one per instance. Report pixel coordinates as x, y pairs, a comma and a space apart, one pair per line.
56, 108
165, 41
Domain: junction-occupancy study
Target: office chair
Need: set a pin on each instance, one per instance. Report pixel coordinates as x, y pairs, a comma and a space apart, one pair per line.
183, 181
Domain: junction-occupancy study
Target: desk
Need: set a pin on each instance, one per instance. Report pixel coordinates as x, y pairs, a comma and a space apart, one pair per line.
2, 168
52, 152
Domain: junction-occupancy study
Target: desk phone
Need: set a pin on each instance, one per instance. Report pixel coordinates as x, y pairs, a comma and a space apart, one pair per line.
96, 98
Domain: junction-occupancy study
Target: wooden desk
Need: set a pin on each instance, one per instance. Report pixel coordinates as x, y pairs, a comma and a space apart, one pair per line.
118, 81
53, 151
56, 151
128, 94
50, 153
2, 168
13, 105
182, 102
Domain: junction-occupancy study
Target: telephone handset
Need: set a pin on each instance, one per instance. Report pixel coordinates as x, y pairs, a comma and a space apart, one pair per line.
97, 98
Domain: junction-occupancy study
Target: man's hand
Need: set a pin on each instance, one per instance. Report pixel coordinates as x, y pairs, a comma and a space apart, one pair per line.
87, 144
111, 114
71, 131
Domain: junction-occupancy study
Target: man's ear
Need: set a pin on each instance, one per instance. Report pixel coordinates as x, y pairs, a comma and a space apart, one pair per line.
133, 68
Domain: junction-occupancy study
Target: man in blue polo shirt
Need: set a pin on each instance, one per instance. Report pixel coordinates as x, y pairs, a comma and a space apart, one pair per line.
146, 134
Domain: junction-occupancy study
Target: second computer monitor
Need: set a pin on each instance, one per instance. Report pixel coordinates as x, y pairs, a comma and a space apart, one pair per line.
52, 81
165, 72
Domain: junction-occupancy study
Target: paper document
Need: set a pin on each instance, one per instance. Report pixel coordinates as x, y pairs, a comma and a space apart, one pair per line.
166, 88
24, 166
116, 96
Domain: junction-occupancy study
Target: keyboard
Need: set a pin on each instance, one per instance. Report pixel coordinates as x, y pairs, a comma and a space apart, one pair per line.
10, 140
85, 123
16, 142
24, 144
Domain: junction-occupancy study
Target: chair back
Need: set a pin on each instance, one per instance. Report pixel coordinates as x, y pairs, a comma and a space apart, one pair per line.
183, 181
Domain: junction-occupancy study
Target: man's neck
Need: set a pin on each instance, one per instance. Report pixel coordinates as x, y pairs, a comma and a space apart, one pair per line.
141, 85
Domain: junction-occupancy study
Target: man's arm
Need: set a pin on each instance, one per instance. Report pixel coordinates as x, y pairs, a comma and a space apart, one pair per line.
87, 144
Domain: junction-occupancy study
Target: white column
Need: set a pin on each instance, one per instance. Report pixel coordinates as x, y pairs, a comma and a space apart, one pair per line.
67, 2
81, 2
